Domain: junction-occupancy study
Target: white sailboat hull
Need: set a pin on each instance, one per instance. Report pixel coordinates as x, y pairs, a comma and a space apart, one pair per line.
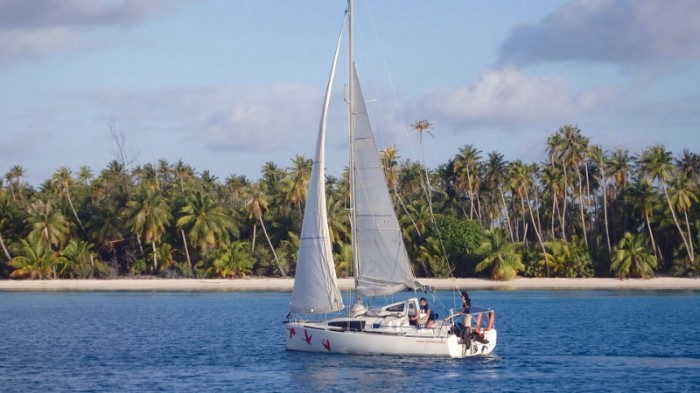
314, 337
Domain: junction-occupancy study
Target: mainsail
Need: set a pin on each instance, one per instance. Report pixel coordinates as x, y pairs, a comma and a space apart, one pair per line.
315, 284
382, 264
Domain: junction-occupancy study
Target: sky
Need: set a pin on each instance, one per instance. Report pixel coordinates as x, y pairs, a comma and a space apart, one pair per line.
226, 85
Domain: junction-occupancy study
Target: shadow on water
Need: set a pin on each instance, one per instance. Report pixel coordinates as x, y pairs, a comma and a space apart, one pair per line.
385, 372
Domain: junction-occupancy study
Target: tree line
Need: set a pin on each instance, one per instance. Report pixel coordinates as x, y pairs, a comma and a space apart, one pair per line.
582, 212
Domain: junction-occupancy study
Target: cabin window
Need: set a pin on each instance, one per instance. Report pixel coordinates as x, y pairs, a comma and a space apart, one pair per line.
396, 308
353, 326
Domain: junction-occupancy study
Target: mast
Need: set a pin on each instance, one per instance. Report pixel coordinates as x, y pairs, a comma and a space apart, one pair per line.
351, 124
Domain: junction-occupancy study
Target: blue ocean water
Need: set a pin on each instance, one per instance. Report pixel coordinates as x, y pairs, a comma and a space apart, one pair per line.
558, 341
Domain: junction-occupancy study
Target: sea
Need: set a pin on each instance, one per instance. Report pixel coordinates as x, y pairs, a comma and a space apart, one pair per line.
548, 341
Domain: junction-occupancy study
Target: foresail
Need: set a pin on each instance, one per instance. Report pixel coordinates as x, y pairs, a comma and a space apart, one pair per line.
383, 266
315, 283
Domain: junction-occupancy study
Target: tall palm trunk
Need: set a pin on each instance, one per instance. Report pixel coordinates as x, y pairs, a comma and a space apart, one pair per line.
580, 203
255, 235
479, 212
537, 212
471, 194
4, 248
138, 240
155, 257
187, 251
19, 189
563, 210
269, 242
690, 236
588, 191
539, 236
70, 203
403, 206
555, 212
505, 213
605, 203
651, 236
678, 225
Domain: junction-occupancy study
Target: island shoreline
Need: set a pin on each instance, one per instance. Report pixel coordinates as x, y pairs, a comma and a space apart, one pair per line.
268, 284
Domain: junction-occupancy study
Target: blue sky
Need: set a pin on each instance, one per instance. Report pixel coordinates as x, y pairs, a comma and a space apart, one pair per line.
228, 85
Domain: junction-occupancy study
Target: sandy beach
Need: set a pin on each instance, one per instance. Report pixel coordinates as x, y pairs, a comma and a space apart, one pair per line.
286, 284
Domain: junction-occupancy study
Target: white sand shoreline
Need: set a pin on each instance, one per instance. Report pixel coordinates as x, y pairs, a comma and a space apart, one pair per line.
286, 284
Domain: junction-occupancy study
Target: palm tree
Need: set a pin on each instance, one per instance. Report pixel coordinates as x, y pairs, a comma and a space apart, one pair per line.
183, 174
597, 154
85, 175
272, 175
232, 260
48, 224
7, 213
257, 205
556, 256
495, 174
551, 177
14, 178
297, 184
567, 147
389, 160
104, 228
656, 163
467, 165
79, 259
206, 222
149, 215
521, 178
35, 260
620, 168
338, 220
689, 164
500, 255
631, 258
63, 180
644, 197
424, 127
683, 198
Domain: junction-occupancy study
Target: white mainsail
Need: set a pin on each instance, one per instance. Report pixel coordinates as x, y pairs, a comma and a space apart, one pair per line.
315, 284
382, 263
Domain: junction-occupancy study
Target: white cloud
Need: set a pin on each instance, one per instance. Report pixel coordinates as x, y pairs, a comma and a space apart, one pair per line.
509, 97
34, 29
35, 44
250, 119
617, 31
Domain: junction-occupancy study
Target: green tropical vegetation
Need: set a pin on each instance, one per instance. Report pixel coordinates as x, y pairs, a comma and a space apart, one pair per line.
583, 211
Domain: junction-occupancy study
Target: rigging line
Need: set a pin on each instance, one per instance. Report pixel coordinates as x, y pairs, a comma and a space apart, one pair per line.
413, 152
425, 185
395, 96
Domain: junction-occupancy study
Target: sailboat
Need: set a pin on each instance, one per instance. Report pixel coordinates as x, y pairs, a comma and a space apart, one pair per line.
381, 265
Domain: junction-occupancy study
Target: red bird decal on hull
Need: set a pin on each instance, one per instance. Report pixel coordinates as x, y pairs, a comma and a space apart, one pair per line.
292, 332
307, 337
327, 345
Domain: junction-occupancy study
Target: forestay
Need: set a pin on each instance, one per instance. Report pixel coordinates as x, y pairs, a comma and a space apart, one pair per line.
315, 284
382, 263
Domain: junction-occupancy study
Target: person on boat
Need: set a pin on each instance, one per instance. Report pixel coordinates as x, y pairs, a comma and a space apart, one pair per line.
464, 329
425, 316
